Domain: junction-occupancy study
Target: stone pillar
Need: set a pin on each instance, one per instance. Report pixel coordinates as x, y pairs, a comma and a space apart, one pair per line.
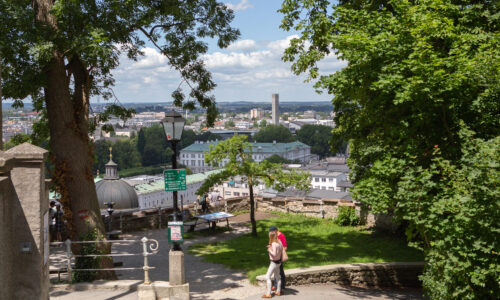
28, 211
176, 274
7, 192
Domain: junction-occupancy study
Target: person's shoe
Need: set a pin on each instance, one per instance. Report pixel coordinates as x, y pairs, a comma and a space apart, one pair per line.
278, 293
273, 288
267, 296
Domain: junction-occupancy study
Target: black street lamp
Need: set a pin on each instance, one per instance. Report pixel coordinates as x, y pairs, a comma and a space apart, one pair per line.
173, 125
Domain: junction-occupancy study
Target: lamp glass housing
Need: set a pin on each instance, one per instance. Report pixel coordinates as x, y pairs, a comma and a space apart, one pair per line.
173, 125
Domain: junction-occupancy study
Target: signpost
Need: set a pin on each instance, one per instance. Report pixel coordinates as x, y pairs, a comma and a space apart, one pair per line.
175, 180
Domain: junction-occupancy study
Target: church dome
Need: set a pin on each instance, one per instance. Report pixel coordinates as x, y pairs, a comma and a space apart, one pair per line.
117, 191
113, 189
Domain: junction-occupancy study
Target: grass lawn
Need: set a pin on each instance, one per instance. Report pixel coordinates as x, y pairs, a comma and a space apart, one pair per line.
311, 242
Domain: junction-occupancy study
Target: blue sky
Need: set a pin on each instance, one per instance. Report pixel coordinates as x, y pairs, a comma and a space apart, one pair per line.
250, 69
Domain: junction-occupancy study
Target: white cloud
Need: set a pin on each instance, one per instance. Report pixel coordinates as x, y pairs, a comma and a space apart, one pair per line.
242, 5
281, 45
251, 75
244, 45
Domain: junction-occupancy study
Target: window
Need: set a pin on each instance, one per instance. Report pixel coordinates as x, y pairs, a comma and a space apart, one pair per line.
323, 179
316, 179
193, 155
245, 194
330, 179
236, 193
193, 162
227, 193
330, 188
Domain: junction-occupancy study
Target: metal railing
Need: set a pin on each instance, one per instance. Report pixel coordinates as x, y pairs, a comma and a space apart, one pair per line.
153, 246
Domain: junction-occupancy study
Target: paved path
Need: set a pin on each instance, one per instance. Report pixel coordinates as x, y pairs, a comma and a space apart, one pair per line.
332, 291
207, 280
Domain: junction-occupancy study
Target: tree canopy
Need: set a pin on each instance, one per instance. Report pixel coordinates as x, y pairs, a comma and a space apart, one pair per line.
418, 102
319, 138
61, 53
270, 133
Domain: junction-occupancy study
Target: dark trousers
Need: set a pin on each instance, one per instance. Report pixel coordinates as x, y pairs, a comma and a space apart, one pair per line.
283, 279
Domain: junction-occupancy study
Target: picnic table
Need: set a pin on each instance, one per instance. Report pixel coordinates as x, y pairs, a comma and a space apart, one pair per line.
211, 219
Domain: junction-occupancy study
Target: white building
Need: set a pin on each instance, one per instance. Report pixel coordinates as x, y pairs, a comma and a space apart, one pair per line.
193, 156
237, 188
153, 194
256, 114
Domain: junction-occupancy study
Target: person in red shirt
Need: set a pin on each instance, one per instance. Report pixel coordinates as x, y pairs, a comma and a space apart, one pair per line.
282, 239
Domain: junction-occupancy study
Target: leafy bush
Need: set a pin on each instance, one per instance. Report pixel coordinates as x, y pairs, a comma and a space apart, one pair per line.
87, 262
346, 216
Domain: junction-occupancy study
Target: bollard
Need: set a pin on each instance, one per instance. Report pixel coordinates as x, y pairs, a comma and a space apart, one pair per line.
121, 222
144, 240
159, 217
322, 211
68, 257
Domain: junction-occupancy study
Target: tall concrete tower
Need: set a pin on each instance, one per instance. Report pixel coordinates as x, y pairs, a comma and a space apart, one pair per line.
276, 109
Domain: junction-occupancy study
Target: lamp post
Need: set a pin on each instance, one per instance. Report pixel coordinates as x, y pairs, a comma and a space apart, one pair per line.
173, 125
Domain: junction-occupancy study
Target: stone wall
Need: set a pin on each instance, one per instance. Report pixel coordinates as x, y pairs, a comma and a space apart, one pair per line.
380, 275
324, 208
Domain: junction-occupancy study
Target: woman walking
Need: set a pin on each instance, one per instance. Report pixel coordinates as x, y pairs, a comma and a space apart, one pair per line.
275, 250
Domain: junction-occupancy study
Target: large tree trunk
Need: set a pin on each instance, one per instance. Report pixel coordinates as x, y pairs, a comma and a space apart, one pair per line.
252, 208
1, 111
69, 141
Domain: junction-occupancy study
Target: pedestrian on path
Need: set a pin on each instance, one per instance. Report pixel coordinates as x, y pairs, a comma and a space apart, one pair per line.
282, 239
274, 249
58, 217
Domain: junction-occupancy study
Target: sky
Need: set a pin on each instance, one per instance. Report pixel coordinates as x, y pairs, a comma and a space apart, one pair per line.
250, 69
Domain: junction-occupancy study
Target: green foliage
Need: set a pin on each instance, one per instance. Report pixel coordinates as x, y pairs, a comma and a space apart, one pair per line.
206, 136
141, 171
311, 242
270, 133
17, 139
229, 124
87, 262
96, 32
346, 216
276, 159
418, 102
318, 137
263, 123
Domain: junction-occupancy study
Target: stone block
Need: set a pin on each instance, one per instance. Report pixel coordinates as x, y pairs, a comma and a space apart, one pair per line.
162, 290
176, 268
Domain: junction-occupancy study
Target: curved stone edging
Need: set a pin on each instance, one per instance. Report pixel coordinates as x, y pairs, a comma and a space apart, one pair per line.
391, 274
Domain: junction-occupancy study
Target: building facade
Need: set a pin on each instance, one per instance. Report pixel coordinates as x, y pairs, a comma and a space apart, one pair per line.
153, 194
193, 156
256, 114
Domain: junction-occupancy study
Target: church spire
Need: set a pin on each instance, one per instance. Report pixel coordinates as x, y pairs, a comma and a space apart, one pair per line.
111, 167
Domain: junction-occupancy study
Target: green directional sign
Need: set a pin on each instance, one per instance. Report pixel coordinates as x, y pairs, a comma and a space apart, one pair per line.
175, 180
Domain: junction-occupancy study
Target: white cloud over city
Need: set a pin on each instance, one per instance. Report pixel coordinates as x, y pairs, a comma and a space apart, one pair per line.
240, 6
247, 70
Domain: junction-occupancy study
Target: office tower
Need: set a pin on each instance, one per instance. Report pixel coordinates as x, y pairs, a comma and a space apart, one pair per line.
276, 109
